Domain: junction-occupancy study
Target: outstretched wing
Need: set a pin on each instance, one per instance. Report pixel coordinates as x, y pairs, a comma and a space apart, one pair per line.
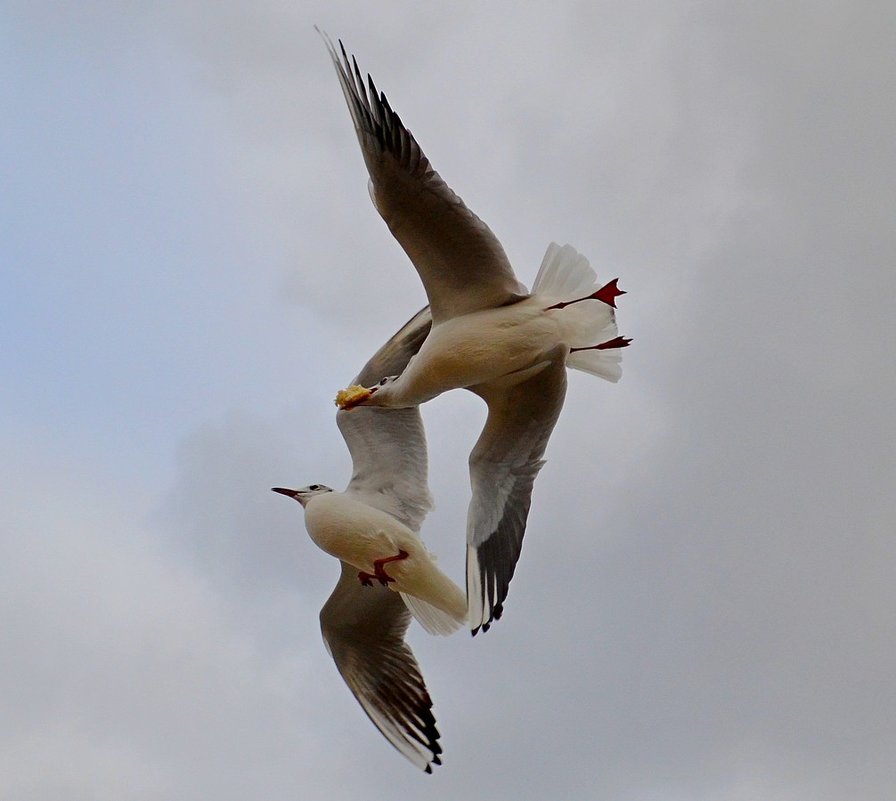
388, 446
503, 467
459, 260
363, 629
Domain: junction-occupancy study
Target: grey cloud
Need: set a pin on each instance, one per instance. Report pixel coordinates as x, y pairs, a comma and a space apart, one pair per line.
704, 605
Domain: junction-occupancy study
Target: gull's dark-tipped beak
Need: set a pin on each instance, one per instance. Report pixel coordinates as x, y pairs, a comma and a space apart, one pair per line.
283, 491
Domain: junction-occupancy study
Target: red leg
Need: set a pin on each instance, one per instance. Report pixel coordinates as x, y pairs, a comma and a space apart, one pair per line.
607, 293
616, 342
379, 571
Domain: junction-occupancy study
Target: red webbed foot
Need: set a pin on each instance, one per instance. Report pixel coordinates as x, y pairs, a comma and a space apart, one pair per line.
606, 294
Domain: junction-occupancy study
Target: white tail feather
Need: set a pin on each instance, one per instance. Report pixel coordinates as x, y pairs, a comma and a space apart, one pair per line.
566, 275
602, 363
433, 619
564, 272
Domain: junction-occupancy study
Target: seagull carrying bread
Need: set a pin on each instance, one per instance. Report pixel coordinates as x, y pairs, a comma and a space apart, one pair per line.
387, 573
489, 334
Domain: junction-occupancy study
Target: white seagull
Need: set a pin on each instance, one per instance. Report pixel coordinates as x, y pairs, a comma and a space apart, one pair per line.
488, 335
387, 574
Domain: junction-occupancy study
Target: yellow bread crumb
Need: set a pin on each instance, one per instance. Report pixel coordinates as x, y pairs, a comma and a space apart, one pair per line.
351, 396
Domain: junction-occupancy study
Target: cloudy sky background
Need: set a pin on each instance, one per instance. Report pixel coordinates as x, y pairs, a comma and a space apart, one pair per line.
191, 267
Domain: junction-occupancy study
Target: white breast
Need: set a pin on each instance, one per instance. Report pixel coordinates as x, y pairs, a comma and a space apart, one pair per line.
353, 531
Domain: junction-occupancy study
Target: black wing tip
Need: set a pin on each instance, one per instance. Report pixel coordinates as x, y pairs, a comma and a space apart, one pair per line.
497, 567
371, 111
425, 731
436, 760
497, 611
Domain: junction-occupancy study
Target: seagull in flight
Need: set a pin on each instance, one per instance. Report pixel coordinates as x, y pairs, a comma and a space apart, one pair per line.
489, 334
387, 574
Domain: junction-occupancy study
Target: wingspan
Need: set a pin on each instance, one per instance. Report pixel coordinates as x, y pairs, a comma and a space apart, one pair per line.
459, 260
388, 446
363, 629
503, 467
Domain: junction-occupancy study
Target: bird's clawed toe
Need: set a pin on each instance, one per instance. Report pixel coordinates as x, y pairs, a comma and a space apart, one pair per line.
366, 578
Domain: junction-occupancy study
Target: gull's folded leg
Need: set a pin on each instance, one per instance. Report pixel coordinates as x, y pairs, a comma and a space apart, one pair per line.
380, 572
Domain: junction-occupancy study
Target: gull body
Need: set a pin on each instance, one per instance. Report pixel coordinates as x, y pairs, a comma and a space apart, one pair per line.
509, 343
378, 515
489, 334
360, 534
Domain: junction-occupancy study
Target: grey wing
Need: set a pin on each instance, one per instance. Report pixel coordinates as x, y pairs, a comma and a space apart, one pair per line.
363, 629
459, 260
503, 467
393, 357
388, 446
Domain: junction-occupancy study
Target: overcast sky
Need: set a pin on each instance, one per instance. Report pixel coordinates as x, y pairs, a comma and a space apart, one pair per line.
191, 267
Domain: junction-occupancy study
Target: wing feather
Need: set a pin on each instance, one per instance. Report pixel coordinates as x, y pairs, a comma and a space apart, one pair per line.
388, 446
363, 629
503, 467
459, 260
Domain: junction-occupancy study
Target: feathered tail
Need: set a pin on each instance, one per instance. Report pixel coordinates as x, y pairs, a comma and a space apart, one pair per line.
565, 275
433, 619
435, 601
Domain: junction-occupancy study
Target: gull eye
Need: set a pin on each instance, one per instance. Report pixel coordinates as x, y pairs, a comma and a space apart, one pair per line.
314, 487
384, 381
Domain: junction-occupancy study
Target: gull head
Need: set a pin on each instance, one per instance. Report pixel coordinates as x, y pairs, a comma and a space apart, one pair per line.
356, 395
304, 494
